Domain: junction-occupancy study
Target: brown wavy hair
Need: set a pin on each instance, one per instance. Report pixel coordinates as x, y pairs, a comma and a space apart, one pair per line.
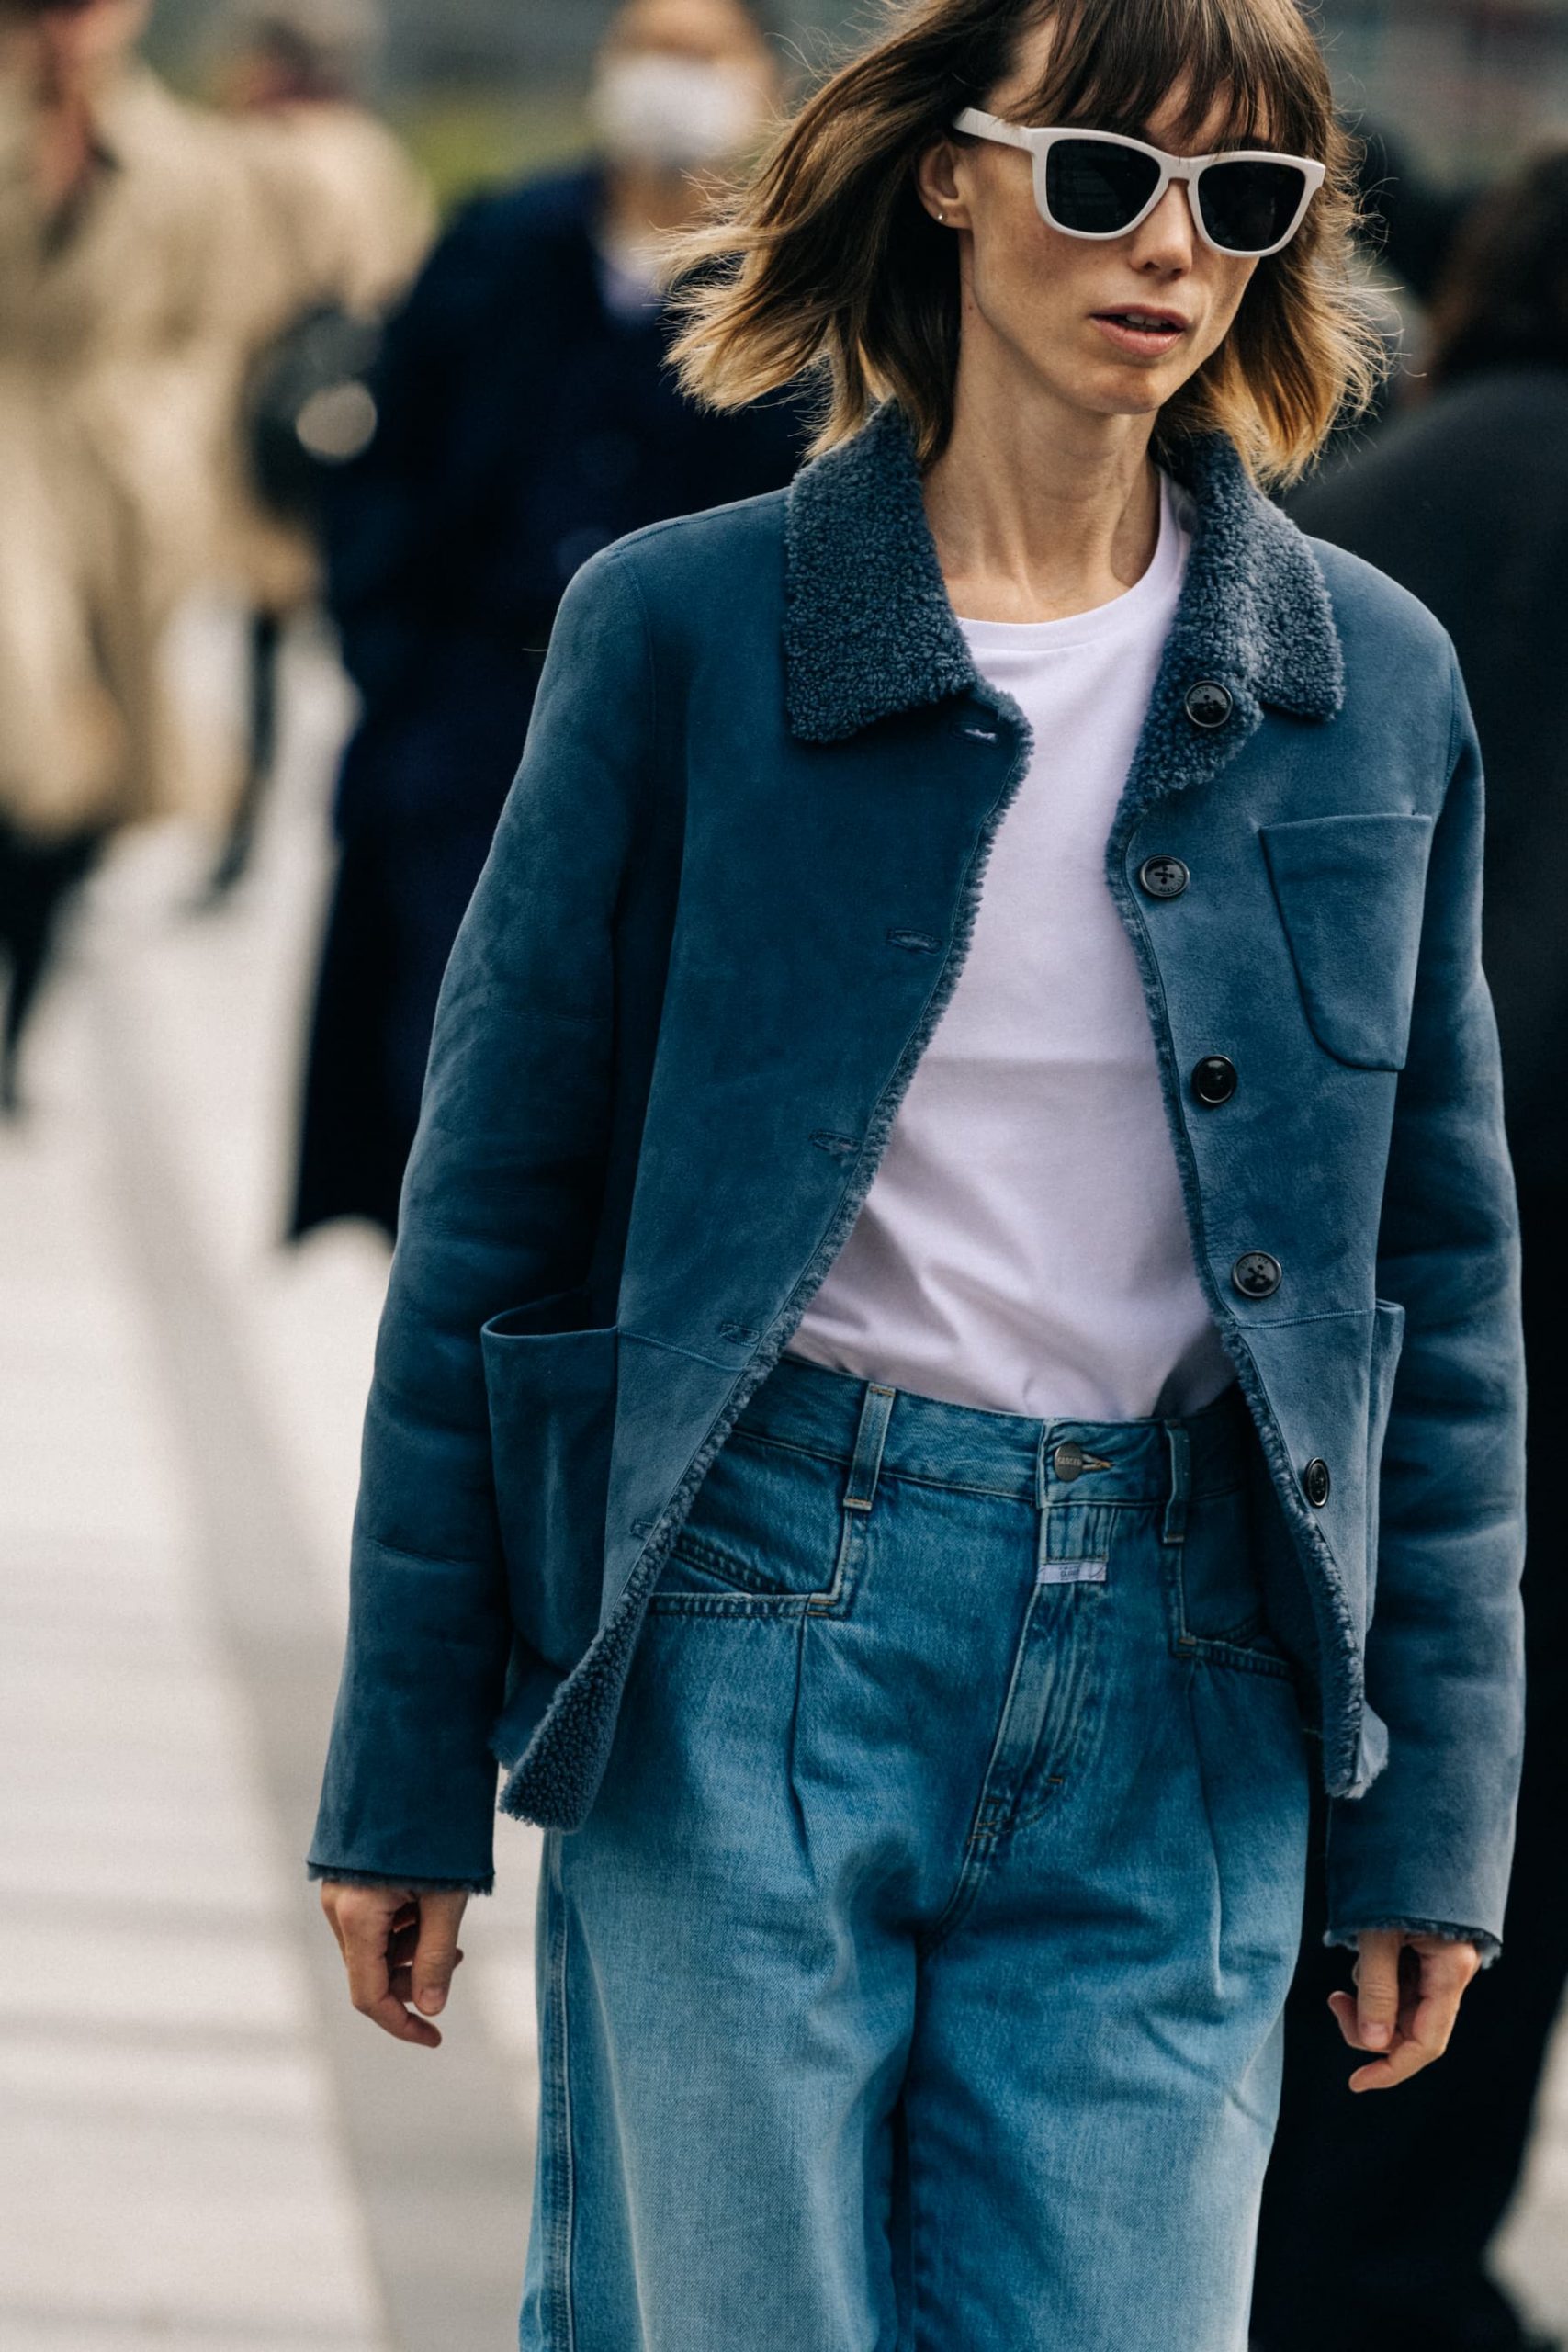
825, 264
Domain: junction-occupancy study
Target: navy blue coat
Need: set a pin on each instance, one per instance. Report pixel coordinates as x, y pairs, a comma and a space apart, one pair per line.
731, 894
522, 426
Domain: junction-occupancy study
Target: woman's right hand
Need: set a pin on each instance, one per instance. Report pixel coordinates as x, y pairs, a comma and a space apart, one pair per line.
399, 1946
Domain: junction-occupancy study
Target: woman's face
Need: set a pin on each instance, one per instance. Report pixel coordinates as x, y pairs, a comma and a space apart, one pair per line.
1052, 304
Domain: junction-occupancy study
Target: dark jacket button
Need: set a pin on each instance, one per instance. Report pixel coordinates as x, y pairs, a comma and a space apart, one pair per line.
1214, 1080
1317, 1484
1209, 705
1163, 877
1257, 1276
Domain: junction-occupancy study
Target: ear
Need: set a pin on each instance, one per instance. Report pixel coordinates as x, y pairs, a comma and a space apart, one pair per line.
937, 181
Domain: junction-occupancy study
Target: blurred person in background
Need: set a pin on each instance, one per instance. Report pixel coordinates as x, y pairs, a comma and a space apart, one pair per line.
353, 207
1407, 228
526, 419
1412, 220
114, 205
339, 221
1367, 2242
1408, 225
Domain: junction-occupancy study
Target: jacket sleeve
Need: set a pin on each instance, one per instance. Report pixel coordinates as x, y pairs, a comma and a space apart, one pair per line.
500, 1206
1430, 1844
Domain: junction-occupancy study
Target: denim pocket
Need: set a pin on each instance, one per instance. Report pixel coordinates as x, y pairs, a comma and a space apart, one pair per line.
1217, 1591
767, 1535
1351, 893
550, 1386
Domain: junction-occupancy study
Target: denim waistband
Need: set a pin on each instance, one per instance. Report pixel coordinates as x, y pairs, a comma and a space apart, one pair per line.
877, 1431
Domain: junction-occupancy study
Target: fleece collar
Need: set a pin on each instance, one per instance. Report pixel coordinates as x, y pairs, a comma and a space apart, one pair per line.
869, 630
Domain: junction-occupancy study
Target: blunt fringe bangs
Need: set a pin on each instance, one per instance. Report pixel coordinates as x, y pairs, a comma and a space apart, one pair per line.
824, 265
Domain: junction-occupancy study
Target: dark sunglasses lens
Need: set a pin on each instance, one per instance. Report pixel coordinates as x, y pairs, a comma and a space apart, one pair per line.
1249, 206
1096, 189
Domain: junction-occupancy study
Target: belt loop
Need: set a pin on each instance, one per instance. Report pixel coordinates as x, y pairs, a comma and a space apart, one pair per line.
875, 1410
1180, 1444
1042, 1501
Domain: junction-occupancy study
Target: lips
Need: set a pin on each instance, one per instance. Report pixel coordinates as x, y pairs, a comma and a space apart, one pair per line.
1145, 333
1156, 320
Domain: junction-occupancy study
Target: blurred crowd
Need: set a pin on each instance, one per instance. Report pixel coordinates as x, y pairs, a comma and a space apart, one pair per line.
151, 252
234, 353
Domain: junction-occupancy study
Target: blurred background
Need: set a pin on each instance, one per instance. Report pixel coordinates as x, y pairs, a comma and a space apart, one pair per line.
276, 577
483, 86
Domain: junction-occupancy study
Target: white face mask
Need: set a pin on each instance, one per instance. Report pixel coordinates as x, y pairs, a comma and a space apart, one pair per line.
672, 113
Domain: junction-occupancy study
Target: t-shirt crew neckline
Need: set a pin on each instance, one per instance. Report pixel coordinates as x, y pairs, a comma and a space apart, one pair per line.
1126, 611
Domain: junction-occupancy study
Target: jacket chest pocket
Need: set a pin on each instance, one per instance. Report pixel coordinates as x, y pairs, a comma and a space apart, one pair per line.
1351, 892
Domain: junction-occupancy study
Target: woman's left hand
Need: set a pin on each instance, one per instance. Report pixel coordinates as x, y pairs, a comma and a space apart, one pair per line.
1408, 1989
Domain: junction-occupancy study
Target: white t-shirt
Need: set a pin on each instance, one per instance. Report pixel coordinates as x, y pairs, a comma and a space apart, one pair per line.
1023, 1246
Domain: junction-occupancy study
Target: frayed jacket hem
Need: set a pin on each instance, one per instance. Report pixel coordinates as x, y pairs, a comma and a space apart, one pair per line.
414, 1885
1487, 1945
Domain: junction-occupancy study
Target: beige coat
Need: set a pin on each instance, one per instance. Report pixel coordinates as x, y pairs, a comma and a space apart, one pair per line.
106, 324
336, 214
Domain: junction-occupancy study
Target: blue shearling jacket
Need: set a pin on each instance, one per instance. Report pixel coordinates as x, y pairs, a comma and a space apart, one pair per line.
730, 898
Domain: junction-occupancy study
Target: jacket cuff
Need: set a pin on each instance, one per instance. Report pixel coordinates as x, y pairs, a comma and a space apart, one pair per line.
1487, 1945
414, 1885
408, 1792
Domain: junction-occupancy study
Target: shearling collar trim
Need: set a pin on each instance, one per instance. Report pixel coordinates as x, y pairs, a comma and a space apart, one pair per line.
869, 630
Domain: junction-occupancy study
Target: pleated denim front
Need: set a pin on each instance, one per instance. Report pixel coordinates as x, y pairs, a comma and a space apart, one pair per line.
915, 1984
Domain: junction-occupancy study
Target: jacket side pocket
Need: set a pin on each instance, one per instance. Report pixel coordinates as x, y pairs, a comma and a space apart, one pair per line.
550, 1386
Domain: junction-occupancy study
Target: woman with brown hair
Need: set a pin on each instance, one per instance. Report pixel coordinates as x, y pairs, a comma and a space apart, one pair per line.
960, 1228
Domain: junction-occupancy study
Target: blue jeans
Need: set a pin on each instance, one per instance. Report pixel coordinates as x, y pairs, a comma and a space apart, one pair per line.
916, 1983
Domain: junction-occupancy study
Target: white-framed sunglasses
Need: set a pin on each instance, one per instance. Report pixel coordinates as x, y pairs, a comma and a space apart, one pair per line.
1098, 184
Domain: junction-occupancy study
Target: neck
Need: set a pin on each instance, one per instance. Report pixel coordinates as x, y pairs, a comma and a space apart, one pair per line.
1039, 509
636, 200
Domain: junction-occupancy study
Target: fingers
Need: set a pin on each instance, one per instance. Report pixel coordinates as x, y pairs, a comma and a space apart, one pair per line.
436, 1952
1377, 1990
1425, 1989
330, 1894
377, 1930
366, 1938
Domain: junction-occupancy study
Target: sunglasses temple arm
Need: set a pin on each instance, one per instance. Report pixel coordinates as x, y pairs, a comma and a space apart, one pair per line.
980, 125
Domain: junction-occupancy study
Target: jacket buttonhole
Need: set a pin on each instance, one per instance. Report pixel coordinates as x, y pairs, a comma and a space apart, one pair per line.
738, 1331
918, 943
839, 1146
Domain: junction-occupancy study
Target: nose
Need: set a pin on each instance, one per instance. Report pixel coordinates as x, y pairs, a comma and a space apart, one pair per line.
1164, 244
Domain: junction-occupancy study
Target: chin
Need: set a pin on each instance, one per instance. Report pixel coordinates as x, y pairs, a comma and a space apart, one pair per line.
1124, 392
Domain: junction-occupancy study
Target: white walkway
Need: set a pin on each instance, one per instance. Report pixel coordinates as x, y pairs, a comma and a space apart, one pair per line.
202, 2148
